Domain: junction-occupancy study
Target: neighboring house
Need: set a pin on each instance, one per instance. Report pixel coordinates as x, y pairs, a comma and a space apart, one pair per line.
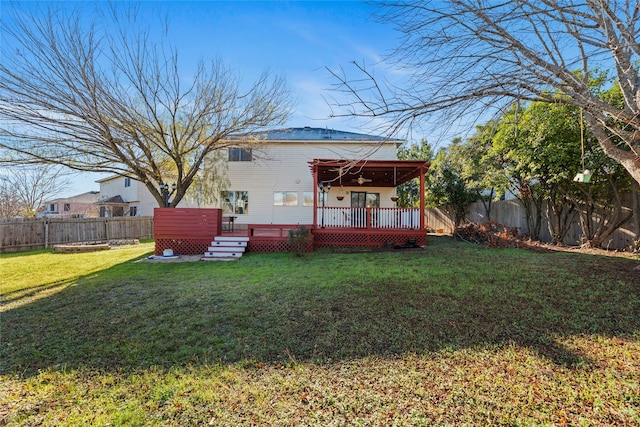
123, 196
80, 205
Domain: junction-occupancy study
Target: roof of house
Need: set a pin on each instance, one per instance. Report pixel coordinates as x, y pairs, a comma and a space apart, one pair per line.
114, 200
87, 197
308, 133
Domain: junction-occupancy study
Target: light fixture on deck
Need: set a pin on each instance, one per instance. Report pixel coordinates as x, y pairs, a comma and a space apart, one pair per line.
164, 189
324, 188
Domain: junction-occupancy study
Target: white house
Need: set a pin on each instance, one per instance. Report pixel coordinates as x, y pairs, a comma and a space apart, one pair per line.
274, 183
123, 196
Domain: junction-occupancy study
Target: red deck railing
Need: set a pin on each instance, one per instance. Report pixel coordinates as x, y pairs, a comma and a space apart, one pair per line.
273, 237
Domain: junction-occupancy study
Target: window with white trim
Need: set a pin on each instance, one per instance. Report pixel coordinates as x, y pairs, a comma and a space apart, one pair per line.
285, 198
240, 155
235, 202
307, 198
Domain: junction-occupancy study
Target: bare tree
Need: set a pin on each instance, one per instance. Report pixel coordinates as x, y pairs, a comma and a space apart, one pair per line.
106, 96
463, 57
24, 189
9, 204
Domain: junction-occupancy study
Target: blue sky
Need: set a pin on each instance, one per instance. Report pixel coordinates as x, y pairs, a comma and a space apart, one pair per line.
297, 39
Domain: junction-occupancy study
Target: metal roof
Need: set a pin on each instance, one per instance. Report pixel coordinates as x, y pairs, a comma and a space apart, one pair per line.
318, 134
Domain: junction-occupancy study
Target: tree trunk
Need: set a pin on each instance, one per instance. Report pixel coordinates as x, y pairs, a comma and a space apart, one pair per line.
628, 159
635, 208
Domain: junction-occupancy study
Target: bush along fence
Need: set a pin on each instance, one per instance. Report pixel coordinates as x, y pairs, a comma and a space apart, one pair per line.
512, 214
24, 234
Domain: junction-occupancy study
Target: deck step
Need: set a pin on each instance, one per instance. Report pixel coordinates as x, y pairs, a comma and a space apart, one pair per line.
218, 254
229, 243
219, 258
231, 239
226, 249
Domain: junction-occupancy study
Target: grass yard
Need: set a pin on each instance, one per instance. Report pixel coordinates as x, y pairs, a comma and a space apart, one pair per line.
455, 334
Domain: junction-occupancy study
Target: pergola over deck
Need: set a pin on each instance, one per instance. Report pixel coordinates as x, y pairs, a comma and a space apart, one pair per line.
363, 225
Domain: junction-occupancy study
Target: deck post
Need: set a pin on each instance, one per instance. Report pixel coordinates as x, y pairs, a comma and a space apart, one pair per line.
423, 171
315, 197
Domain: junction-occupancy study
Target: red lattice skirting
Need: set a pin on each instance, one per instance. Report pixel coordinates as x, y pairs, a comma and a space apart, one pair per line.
350, 238
347, 238
191, 246
271, 245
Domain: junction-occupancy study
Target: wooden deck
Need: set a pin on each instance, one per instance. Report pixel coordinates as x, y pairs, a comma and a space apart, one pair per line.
266, 238
190, 231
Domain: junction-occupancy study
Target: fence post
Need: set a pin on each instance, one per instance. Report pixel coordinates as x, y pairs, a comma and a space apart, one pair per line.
46, 233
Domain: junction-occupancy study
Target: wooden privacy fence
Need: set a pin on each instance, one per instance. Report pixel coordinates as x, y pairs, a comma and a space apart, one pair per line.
511, 213
23, 234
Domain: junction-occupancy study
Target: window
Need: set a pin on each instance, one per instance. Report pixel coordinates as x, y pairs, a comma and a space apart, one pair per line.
240, 154
285, 198
103, 212
365, 200
127, 182
67, 207
307, 198
52, 207
373, 200
133, 210
235, 202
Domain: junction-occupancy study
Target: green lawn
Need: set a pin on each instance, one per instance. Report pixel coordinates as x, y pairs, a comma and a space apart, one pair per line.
455, 334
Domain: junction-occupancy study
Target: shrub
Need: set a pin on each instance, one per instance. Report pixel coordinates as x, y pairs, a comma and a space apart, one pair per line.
299, 240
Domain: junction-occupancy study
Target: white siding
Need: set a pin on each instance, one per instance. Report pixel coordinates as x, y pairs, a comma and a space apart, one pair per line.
285, 167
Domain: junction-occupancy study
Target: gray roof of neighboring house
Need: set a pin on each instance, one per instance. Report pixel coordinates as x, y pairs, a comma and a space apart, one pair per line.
86, 197
114, 200
318, 134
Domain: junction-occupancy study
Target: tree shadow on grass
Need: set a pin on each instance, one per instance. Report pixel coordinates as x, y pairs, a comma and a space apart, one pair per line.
204, 313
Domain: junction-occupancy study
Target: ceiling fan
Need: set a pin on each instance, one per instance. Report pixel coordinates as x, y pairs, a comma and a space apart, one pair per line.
361, 180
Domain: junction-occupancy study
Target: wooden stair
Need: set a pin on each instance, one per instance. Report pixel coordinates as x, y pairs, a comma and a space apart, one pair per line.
225, 248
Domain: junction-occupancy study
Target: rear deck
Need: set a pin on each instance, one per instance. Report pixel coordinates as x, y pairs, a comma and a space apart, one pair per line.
341, 228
